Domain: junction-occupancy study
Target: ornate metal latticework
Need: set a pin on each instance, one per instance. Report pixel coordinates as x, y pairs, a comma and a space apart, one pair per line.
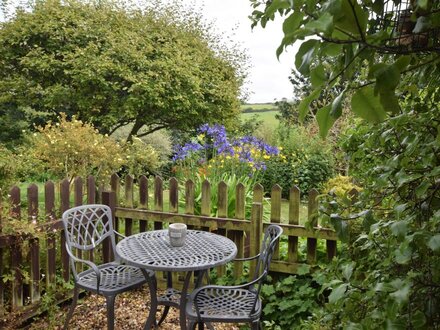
406, 28
85, 228
214, 303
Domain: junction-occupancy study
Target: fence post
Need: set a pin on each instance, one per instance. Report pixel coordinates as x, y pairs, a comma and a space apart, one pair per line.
222, 212
109, 199
313, 219
256, 233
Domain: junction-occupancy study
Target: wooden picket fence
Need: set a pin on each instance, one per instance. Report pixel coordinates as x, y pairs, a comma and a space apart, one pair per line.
34, 264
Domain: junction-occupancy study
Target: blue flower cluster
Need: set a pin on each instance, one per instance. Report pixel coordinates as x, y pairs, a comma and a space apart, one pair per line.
213, 140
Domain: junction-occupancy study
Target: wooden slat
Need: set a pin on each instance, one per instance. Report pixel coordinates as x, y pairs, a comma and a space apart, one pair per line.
294, 205
143, 200
312, 218
174, 196
238, 235
34, 245
108, 198
115, 186
91, 190
222, 212
158, 199
49, 208
65, 205
205, 208
275, 213
189, 197
16, 253
258, 193
256, 233
129, 202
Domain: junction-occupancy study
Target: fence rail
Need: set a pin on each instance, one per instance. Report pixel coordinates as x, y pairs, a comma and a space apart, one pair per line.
34, 262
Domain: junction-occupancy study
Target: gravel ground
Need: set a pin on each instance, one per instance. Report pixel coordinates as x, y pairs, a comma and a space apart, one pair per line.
131, 311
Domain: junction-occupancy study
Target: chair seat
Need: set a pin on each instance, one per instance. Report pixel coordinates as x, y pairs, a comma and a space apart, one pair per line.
115, 278
222, 304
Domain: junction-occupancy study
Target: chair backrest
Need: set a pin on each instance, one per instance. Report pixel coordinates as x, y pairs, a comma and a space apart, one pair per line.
270, 239
86, 226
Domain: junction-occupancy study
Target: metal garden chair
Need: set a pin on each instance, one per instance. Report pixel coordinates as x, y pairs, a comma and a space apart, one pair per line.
85, 228
234, 304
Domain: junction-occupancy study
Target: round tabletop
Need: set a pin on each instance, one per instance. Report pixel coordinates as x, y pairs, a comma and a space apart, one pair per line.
152, 250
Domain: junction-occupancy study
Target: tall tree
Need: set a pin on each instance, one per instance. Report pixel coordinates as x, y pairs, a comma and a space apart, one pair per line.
112, 64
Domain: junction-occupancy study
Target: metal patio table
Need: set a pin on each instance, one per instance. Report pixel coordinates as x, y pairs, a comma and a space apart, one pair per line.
152, 250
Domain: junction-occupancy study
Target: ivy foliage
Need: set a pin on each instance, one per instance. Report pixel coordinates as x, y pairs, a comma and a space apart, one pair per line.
113, 63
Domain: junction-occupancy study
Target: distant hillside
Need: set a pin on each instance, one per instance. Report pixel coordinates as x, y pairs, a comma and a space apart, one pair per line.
258, 107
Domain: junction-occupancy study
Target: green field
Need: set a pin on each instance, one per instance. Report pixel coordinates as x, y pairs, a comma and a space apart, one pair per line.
264, 111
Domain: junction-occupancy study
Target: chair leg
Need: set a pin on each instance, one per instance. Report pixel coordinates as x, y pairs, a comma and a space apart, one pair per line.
255, 325
72, 307
164, 315
110, 300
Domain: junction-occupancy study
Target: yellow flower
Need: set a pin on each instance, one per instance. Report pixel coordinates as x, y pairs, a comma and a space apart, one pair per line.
266, 157
200, 137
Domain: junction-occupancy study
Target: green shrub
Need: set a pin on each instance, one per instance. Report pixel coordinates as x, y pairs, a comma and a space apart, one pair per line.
140, 158
306, 161
8, 170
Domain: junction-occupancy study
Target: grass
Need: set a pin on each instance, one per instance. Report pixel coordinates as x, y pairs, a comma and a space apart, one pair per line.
265, 112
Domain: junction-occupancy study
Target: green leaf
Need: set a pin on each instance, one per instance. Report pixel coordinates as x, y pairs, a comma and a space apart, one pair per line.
422, 188
403, 254
347, 21
303, 106
292, 22
336, 110
303, 269
389, 101
367, 106
325, 120
318, 76
331, 49
304, 56
402, 294
418, 320
399, 228
434, 242
323, 24
337, 293
347, 270
402, 62
422, 4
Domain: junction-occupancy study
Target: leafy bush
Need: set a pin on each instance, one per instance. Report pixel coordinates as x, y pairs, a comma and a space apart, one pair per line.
72, 148
140, 158
305, 161
289, 301
8, 170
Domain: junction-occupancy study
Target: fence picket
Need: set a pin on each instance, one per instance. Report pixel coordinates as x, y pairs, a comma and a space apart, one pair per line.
294, 205
158, 199
115, 186
129, 192
2, 285
222, 212
91, 199
49, 207
313, 219
275, 213
256, 233
77, 201
16, 253
238, 235
34, 245
174, 196
143, 200
65, 205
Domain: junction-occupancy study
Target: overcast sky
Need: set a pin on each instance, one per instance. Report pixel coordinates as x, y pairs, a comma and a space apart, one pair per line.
268, 78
